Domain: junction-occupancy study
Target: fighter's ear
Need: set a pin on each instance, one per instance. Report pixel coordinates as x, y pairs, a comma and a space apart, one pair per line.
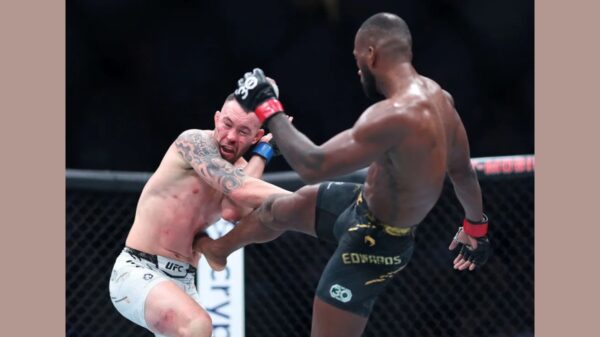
217, 116
371, 57
259, 134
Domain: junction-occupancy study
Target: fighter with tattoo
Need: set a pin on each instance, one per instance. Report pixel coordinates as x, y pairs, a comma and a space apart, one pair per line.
202, 177
410, 140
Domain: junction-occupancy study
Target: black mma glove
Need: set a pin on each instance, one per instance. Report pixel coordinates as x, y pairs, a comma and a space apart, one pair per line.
255, 93
477, 230
479, 255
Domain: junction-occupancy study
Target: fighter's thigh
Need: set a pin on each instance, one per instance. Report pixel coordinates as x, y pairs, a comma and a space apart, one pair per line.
169, 310
296, 211
129, 285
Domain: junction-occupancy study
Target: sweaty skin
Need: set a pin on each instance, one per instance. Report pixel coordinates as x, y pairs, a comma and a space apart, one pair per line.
201, 178
408, 141
174, 206
405, 181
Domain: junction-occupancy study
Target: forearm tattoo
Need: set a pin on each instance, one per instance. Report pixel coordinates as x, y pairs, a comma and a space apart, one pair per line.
201, 151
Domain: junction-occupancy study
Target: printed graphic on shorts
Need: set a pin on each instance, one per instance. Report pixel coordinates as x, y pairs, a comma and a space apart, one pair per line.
361, 258
116, 277
369, 241
172, 267
361, 225
334, 183
117, 300
340, 293
384, 277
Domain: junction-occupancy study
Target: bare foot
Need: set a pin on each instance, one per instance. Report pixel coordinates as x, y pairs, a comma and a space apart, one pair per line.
209, 248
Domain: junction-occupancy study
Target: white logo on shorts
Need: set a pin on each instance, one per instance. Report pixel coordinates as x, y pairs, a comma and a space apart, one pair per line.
340, 293
334, 183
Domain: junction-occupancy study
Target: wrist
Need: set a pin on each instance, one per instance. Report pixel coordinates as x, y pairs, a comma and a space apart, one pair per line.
476, 229
264, 150
268, 109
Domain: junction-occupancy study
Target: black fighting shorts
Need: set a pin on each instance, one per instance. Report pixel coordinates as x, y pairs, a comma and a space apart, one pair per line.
368, 254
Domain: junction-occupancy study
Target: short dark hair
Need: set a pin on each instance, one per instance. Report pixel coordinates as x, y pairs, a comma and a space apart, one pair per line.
391, 29
229, 97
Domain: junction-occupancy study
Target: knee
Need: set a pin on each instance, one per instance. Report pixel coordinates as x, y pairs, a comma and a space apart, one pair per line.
198, 326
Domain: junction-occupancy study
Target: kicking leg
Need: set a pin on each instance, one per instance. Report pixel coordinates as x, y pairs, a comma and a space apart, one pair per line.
278, 213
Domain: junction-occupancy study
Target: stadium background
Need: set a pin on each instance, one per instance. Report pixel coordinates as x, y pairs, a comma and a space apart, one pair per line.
140, 72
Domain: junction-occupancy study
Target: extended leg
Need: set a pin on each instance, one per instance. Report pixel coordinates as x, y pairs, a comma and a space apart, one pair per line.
277, 214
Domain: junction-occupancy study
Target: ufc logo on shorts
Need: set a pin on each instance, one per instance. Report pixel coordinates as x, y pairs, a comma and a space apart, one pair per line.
174, 267
249, 84
340, 293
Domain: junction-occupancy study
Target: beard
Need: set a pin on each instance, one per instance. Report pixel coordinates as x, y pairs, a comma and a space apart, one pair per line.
369, 86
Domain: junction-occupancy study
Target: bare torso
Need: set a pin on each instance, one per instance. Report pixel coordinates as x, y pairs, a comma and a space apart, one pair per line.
175, 205
405, 183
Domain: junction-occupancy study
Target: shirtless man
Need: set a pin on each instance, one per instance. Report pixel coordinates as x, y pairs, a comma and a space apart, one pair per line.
409, 140
201, 178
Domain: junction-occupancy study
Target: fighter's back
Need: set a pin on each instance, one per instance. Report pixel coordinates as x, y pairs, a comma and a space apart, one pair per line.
405, 182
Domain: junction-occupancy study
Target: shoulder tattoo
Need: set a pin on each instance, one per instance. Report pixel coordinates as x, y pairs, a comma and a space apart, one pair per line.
202, 152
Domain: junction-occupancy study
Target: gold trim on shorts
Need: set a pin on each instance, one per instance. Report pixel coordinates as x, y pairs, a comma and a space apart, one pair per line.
391, 230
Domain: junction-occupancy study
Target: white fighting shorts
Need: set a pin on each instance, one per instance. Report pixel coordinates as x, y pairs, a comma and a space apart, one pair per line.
135, 273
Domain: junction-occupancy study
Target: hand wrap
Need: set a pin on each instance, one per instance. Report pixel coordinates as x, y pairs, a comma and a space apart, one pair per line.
264, 150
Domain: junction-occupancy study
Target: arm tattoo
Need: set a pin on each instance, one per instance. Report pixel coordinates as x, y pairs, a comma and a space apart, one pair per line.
201, 151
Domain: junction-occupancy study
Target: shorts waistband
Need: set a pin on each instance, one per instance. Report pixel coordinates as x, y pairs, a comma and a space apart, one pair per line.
148, 257
361, 203
169, 266
390, 230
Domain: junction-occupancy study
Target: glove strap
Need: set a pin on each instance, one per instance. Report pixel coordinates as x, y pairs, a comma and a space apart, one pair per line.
264, 150
476, 229
268, 109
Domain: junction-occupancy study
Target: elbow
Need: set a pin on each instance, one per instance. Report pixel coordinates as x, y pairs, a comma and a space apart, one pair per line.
463, 174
